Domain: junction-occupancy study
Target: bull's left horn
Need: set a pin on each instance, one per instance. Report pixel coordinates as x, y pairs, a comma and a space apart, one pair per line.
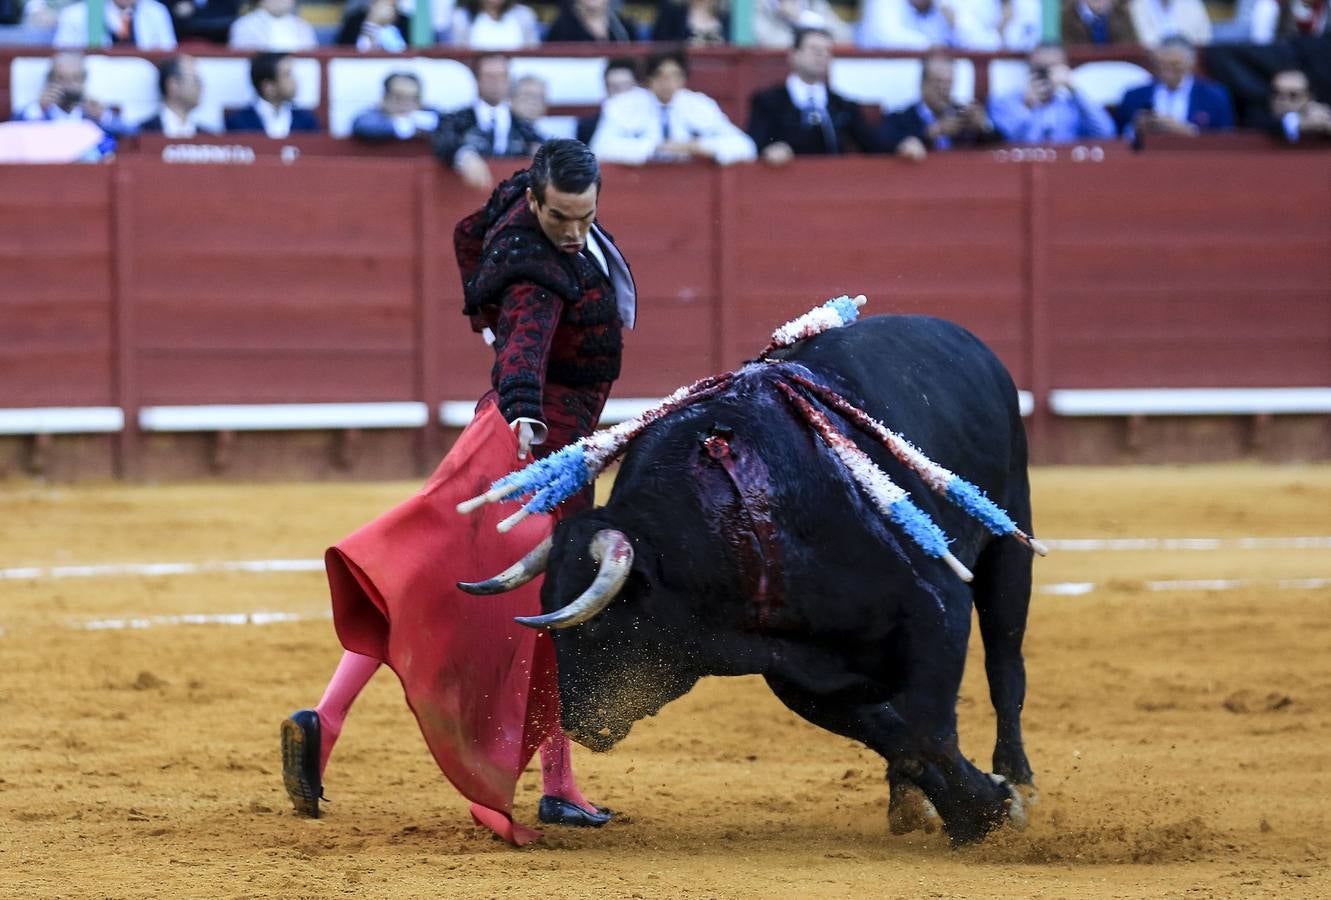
612, 550
516, 575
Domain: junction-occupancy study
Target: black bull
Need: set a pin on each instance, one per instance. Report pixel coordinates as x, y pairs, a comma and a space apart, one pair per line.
754, 553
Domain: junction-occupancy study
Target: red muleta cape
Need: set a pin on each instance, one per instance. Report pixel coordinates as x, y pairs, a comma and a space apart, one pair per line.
481, 686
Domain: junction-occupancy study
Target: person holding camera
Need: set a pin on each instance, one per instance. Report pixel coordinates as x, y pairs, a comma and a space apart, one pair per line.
936, 122
1050, 110
64, 98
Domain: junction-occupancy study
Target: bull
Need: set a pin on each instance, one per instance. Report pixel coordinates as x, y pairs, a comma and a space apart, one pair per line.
733, 543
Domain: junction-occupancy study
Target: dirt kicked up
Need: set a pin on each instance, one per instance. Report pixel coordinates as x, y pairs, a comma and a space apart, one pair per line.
1179, 719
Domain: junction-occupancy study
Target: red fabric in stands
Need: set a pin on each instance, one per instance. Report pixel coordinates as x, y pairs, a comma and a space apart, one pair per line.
481, 686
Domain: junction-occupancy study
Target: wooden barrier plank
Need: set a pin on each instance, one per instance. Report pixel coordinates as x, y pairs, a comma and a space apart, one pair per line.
55, 279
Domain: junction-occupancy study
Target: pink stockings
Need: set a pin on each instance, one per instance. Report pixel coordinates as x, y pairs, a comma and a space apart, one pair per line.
354, 671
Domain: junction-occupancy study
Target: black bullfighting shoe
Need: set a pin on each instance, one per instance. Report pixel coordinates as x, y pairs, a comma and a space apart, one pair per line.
300, 761
557, 811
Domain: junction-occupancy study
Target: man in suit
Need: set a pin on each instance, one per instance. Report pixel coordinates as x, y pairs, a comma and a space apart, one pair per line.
487, 128
179, 83
1177, 101
273, 112
1294, 116
399, 116
803, 115
935, 123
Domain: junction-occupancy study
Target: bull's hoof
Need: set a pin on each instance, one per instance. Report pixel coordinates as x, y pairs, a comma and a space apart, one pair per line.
558, 811
1015, 803
300, 761
908, 810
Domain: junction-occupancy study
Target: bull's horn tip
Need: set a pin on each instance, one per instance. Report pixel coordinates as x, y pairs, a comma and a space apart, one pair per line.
530, 621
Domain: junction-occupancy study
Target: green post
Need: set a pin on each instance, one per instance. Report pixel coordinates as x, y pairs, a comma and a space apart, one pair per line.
1052, 32
741, 23
96, 23
422, 25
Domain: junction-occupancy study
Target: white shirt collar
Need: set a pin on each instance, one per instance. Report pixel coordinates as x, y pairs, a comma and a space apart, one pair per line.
276, 120
174, 126
1173, 103
802, 94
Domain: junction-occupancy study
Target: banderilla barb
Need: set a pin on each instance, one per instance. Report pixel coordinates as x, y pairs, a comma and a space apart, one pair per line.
940, 480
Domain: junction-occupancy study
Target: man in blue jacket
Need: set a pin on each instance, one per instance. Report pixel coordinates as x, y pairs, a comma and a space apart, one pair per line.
399, 116
273, 112
1177, 101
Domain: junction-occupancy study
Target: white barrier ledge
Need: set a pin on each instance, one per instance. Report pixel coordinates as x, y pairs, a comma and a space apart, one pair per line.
1191, 401
457, 413
62, 420
283, 416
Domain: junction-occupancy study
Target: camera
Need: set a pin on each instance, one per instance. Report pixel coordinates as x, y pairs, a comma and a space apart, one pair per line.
1041, 73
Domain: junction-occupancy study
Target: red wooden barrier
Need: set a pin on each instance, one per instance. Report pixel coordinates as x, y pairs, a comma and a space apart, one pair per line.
332, 279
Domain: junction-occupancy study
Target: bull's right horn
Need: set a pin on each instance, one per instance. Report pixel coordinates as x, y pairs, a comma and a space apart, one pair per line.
612, 550
516, 575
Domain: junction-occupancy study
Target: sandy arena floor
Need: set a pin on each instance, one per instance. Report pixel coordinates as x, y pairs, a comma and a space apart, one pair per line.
1181, 738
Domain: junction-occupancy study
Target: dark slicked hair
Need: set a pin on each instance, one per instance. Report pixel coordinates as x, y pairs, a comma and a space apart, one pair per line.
263, 67
166, 70
674, 55
567, 165
802, 33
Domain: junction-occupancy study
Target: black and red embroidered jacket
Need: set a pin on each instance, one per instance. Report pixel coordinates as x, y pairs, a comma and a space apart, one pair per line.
554, 314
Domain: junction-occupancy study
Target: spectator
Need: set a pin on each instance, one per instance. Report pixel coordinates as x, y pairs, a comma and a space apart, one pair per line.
936, 122
494, 25
589, 20
273, 26
64, 98
399, 116
1176, 102
1295, 115
803, 115
921, 24
143, 24
487, 128
1016, 24
621, 74
180, 86
698, 23
208, 20
1050, 110
1272, 20
775, 22
1156, 20
667, 122
378, 25
1097, 22
272, 112
527, 99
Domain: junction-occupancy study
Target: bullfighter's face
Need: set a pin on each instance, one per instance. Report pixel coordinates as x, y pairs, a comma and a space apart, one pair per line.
565, 217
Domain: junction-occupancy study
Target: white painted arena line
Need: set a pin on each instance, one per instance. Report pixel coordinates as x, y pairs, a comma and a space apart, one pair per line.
1072, 545
156, 570
250, 618
1079, 588
1081, 545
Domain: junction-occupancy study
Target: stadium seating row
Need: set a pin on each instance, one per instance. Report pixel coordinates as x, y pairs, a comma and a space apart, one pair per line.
130, 83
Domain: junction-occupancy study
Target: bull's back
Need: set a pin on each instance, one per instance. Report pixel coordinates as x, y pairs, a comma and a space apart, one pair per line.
932, 381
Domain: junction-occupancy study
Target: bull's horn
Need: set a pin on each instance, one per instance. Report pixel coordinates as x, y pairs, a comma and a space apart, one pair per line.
612, 550
516, 575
